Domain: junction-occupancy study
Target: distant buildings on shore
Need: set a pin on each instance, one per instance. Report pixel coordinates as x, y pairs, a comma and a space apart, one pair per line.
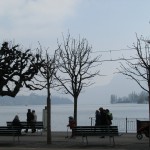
141, 98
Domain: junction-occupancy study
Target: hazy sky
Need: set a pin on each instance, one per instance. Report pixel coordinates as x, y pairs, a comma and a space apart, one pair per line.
107, 24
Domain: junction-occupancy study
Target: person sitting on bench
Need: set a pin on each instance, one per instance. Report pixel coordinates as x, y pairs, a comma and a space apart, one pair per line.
16, 123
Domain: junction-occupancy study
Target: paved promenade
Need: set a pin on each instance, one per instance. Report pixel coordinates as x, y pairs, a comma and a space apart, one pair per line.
38, 142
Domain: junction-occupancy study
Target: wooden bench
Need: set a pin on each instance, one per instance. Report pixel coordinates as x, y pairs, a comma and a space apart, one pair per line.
38, 125
9, 131
85, 131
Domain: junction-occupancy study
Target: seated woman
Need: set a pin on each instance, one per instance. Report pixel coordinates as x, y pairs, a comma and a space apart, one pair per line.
16, 123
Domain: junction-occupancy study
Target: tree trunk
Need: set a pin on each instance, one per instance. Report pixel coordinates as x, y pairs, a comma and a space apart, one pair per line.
149, 104
49, 139
75, 109
149, 116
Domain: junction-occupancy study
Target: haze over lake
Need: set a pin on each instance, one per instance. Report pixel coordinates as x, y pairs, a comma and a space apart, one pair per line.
60, 113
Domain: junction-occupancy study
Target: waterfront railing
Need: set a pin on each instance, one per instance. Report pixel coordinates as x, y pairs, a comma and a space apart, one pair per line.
127, 125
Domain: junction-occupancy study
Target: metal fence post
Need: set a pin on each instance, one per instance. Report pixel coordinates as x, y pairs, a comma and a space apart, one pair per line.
126, 125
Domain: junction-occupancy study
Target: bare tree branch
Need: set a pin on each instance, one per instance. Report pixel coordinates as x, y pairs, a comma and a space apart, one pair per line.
76, 67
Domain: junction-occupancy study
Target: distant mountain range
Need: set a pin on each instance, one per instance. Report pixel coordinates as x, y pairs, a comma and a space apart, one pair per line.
99, 95
119, 85
32, 99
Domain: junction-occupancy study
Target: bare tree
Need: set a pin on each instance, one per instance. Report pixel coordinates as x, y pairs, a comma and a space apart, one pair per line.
48, 71
76, 67
138, 68
17, 69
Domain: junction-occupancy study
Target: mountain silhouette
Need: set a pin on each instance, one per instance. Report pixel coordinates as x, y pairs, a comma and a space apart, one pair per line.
119, 86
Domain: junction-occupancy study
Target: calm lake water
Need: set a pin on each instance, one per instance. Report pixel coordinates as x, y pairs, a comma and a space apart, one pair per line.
60, 113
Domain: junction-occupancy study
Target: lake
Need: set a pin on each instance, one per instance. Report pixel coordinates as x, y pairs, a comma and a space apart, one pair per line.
60, 113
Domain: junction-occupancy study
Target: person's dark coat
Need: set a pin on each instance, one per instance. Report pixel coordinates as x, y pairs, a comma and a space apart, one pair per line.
16, 124
97, 118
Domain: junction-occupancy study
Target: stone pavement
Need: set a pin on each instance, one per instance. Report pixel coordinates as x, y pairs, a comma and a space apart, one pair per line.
38, 142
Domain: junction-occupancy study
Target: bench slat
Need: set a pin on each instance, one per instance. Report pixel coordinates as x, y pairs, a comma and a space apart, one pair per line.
85, 131
7, 131
38, 124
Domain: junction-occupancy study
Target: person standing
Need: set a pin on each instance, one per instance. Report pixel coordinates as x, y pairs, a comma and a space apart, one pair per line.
109, 117
103, 117
34, 121
29, 120
71, 124
97, 118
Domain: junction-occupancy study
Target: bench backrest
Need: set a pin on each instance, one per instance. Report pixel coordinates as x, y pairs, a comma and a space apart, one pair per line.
9, 131
38, 124
95, 130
